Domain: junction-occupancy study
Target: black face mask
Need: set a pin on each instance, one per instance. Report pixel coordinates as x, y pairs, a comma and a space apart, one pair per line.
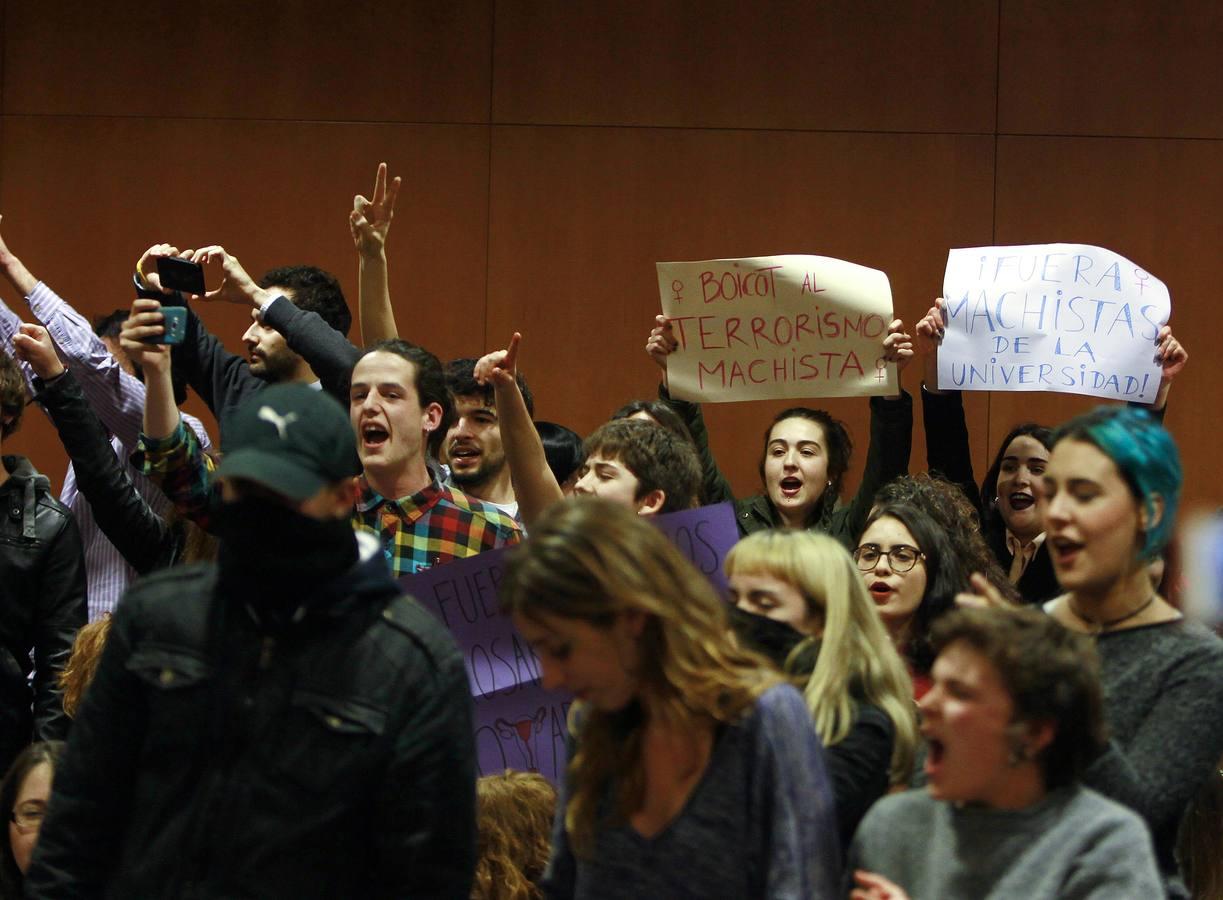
276, 556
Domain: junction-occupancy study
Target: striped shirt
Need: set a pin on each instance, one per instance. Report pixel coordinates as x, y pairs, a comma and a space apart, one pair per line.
118, 400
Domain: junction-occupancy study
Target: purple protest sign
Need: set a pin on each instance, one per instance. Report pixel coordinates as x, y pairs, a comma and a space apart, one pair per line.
519, 725
704, 535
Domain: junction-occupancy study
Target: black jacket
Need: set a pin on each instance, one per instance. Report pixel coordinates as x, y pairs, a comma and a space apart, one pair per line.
42, 605
212, 758
886, 458
146, 540
224, 380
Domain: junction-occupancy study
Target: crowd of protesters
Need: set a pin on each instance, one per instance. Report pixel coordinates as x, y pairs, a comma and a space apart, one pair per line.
212, 683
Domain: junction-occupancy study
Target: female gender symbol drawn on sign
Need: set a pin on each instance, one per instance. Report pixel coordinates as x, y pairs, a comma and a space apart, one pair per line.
881, 369
676, 287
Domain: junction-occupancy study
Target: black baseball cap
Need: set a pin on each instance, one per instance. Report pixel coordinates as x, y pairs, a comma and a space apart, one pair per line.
292, 439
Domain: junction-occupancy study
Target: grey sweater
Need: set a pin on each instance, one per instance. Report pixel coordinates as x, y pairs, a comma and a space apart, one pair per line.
1163, 699
1073, 844
759, 823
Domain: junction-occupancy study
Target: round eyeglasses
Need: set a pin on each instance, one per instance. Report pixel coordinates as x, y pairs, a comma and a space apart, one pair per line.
28, 816
901, 558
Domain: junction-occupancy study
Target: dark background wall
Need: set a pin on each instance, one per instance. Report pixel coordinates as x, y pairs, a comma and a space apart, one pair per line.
553, 151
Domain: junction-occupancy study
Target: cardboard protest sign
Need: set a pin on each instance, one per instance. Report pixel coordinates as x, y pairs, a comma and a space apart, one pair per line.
1070, 318
776, 326
519, 724
704, 535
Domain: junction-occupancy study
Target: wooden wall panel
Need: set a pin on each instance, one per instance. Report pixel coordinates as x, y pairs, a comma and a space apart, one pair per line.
1157, 202
890, 66
579, 216
82, 198
1142, 67
413, 61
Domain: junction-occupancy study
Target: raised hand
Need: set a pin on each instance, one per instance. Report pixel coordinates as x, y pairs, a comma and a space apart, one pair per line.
146, 267
145, 321
33, 344
661, 342
983, 594
898, 345
1170, 355
501, 366
370, 220
930, 329
236, 286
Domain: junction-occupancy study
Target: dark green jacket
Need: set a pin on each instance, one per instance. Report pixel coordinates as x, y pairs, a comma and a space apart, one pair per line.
886, 458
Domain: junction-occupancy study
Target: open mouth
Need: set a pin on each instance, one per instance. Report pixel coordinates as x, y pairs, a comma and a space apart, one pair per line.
881, 591
1021, 500
1064, 550
462, 454
934, 754
790, 486
373, 435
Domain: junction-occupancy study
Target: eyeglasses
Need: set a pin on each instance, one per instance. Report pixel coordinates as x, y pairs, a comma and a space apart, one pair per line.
28, 816
901, 558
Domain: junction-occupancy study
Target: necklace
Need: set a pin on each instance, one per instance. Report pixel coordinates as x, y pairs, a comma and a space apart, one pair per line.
1100, 627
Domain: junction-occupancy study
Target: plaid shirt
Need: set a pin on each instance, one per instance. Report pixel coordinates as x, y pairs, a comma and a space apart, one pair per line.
431, 527
434, 526
183, 471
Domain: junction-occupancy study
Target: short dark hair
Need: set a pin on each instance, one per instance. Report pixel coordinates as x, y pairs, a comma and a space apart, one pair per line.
1051, 673
658, 459
562, 449
660, 412
27, 760
314, 290
461, 378
12, 393
839, 449
109, 325
944, 576
430, 382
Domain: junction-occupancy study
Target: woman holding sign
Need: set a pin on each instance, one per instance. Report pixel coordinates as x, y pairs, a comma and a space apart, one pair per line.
806, 453
695, 771
1010, 517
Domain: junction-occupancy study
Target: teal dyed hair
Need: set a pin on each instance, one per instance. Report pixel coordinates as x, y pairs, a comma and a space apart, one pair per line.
1145, 455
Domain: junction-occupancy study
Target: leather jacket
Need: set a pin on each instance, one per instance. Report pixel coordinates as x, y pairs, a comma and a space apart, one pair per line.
146, 540
220, 757
42, 605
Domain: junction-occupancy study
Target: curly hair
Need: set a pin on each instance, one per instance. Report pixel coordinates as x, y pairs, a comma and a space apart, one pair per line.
515, 823
12, 394
948, 505
82, 665
1051, 673
593, 560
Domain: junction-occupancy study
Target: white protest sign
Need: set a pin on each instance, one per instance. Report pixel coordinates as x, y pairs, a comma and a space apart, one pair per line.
1070, 318
776, 326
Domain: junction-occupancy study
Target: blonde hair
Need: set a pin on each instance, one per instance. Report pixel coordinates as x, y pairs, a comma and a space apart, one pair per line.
515, 822
857, 660
592, 560
82, 664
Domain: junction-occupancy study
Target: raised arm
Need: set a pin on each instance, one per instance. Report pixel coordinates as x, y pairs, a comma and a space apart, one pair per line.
208, 368
947, 447
14, 271
140, 534
1172, 358
167, 452
535, 486
661, 344
369, 222
891, 437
